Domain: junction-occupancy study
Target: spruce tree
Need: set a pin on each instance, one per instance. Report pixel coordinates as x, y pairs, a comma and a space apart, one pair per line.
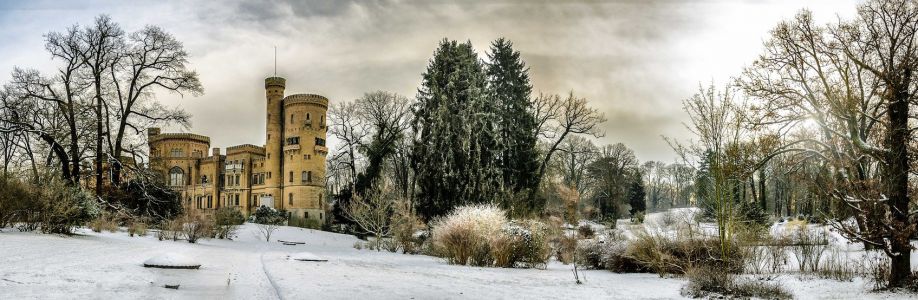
509, 91
454, 123
636, 195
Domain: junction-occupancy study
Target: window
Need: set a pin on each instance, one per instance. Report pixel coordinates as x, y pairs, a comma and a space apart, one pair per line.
306, 214
320, 142
203, 179
269, 175
307, 117
290, 198
237, 199
237, 179
322, 121
291, 177
309, 176
210, 201
176, 152
291, 118
304, 177
320, 216
254, 200
176, 176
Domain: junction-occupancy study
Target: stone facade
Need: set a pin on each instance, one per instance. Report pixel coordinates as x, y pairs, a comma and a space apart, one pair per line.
287, 173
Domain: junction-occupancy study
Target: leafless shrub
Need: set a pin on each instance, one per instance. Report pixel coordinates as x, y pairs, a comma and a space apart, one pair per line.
711, 282
196, 226
808, 247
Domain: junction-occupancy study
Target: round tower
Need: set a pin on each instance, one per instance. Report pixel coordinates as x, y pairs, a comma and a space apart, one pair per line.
274, 158
304, 153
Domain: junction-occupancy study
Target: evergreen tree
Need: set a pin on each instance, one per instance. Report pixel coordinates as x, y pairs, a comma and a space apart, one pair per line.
636, 195
509, 90
454, 157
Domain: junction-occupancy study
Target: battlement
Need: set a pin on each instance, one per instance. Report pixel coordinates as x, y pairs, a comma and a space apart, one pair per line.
306, 98
245, 148
179, 136
275, 81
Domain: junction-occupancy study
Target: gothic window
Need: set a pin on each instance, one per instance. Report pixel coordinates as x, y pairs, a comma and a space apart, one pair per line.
304, 177
176, 152
176, 176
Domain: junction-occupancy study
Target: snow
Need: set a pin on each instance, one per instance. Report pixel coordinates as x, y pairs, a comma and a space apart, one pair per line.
306, 256
109, 266
171, 260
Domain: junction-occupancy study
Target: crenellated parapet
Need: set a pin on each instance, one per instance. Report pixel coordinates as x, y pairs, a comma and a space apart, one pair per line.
245, 148
275, 81
179, 136
306, 99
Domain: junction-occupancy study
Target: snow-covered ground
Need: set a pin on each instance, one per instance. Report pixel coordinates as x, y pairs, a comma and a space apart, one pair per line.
110, 266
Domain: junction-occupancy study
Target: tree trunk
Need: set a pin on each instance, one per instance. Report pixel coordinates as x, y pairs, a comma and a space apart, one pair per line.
897, 169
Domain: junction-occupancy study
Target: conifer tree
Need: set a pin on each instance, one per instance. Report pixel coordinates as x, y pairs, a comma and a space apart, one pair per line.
454, 157
509, 90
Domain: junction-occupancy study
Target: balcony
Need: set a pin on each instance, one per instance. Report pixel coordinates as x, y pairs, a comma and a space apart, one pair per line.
232, 167
292, 147
321, 149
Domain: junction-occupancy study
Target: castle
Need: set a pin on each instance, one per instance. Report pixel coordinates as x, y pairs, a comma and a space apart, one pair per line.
287, 173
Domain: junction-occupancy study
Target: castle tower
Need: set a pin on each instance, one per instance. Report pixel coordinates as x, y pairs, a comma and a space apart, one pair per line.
274, 158
304, 152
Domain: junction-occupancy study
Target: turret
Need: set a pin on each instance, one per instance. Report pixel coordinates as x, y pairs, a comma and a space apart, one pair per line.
274, 94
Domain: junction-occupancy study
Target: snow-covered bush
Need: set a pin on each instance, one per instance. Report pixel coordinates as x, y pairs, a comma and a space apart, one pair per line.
64, 207
808, 247
137, 227
607, 252
668, 255
196, 226
481, 235
226, 220
459, 235
713, 282
268, 215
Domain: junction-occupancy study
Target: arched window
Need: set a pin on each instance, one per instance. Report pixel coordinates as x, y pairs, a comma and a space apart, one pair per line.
304, 177
307, 117
176, 176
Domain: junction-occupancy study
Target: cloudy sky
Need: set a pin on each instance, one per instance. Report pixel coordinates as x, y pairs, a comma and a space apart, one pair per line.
634, 60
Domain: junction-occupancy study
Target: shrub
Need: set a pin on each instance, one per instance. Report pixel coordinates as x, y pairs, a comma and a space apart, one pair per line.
808, 247
406, 227
707, 281
137, 227
665, 255
458, 235
64, 207
639, 217
196, 226
567, 249
607, 252
585, 231
358, 245
481, 236
103, 222
268, 215
837, 266
170, 229
226, 221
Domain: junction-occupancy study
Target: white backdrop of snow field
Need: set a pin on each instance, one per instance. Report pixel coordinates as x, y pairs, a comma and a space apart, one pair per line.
110, 266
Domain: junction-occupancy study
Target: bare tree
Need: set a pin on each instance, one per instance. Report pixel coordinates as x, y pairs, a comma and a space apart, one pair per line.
565, 116
576, 153
351, 130
852, 81
373, 212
